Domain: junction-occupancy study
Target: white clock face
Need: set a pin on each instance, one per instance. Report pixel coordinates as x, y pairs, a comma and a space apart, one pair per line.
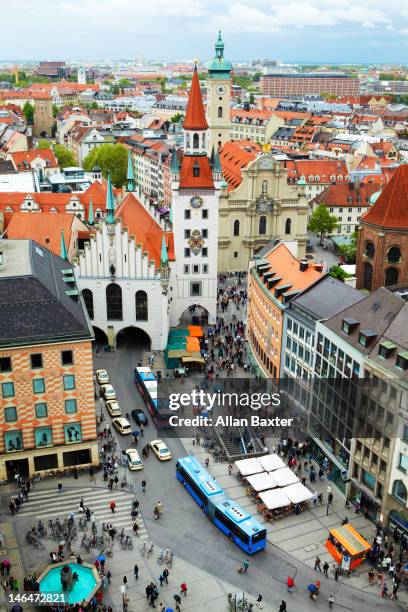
220, 90
196, 201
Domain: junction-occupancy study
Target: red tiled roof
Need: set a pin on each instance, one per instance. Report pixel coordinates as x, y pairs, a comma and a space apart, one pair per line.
144, 228
324, 169
46, 154
195, 115
44, 228
391, 208
187, 179
234, 156
347, 194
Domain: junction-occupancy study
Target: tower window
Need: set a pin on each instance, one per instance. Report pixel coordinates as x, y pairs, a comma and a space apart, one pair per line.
196, 169
196, 141
262, 225
288, 226
220, 112
236, 227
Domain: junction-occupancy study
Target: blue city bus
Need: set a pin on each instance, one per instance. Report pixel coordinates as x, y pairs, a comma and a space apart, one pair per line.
234, 521
156, 402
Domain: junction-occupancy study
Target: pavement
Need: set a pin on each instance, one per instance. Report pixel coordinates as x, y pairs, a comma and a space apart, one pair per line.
204, 558
327, 256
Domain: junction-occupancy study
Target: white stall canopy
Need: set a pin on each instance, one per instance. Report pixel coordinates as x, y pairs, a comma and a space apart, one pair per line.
261, 482
271, 462
284, 477
274, 499
246, 467
297, 493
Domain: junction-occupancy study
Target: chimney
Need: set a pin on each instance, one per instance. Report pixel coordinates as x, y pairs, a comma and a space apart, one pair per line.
303, 265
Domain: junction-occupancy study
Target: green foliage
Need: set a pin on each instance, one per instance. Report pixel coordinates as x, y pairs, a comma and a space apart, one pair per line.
110, 158
28, 112
321, 221
251, 98
176, 118
125, 83
257, 77
349, 251
44, 144
339, 273
55, 110
243, 81
65, 157
390, 76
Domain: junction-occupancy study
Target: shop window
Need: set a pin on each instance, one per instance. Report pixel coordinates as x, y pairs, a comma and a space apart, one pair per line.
10, 414
70, 406
7, 389
13, 441
46, 462
69, 382
43, 436
38, 385
41, 410
399, 491
72, 433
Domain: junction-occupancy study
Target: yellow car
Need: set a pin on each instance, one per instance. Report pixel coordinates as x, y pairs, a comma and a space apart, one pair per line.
134, 461
122, 426
102, 377
113, 408
160, 450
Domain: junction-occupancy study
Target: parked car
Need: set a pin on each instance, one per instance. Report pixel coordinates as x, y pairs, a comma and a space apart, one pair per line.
160, 450
113, 408
122, 426
139, 416
108, 392
102, 377
134, 461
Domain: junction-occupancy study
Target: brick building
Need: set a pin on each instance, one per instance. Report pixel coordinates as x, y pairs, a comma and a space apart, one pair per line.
382, 253
276, 85
47, 417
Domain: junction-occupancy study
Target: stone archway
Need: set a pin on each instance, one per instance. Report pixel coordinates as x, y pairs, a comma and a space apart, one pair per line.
195, 314
133, 338
101, 339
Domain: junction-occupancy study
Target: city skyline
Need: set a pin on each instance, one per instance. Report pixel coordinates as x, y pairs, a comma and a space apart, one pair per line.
325, 31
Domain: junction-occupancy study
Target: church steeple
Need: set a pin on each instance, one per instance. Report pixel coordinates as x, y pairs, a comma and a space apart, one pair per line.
91, 219
130, 177
110, 206
63, 248
195, 123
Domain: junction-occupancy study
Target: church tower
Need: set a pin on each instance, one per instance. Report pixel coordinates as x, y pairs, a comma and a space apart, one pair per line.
219, 97
196, 184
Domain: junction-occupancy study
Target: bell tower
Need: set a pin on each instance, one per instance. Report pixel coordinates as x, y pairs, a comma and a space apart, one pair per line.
218, 97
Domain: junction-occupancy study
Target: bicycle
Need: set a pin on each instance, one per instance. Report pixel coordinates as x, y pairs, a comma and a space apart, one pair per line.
165, 557
146, 549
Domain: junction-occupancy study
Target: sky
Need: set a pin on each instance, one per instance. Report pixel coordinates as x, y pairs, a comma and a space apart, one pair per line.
349, 31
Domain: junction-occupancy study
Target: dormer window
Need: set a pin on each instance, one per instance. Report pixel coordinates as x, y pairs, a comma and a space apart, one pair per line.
402, 360
349, 325
366, 336
386, 348
196, 169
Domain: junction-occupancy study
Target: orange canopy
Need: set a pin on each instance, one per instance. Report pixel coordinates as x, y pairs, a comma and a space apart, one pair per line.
193, 344
195, 331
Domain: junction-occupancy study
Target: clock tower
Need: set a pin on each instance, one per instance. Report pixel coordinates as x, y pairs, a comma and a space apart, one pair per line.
219, 97
196, 184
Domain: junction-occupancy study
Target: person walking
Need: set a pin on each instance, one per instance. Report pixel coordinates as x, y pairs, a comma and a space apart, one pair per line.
326, 569
177, 599
112, 506
317, 564
207, 462
290, 583
331, 601
244, 567
166, 575
183, 589
282, 607
144, 483
125, 602
60, 487
230, 468
136, 571
161, 579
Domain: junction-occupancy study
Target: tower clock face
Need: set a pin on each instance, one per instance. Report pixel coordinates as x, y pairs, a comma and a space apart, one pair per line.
196, 201
220, 90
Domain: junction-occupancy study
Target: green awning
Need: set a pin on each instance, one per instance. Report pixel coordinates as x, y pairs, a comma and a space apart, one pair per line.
388, 344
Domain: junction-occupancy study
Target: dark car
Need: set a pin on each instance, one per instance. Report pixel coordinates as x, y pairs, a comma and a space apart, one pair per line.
139, 416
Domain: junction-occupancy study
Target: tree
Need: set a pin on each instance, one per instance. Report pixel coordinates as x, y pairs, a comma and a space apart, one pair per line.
251, 98
55, 110
339, 273
28, 112
176, 118
110, 158
64, 156
44, 144
349, 251
322, 222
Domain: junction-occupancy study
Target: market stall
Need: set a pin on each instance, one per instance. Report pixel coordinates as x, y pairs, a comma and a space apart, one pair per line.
260, 482
271, 462
298, 493
285, 477
247, 467
273, 504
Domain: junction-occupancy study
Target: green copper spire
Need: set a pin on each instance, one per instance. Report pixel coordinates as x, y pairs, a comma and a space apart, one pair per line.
91, 219
110, 206
217, 164
219, 46
164, 257
130, 174
63, 248
219, 67
174, 166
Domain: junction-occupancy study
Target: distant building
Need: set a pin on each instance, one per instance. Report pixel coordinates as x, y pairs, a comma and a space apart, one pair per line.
81, 76
47, 416
52, 70
43, 117
275, 85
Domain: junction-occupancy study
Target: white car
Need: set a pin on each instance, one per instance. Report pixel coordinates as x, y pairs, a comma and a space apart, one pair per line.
102, 377
133, 459
108, 392
160, 450
113, 408
122, 426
